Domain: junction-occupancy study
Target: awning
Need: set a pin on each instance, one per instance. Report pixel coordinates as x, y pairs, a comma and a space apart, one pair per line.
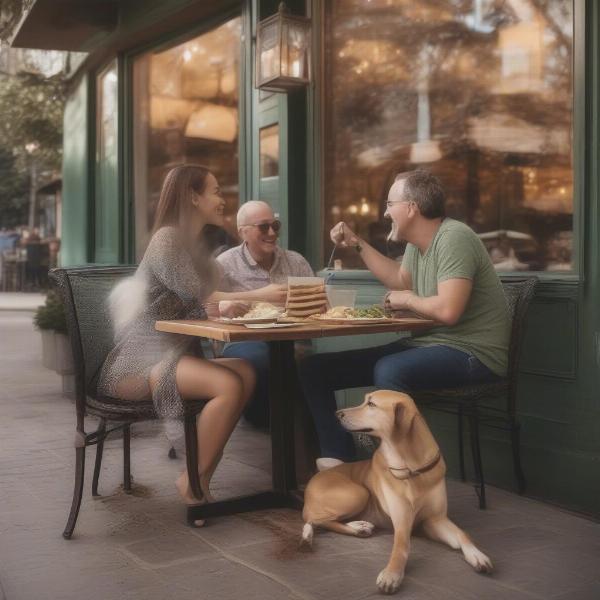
64, 24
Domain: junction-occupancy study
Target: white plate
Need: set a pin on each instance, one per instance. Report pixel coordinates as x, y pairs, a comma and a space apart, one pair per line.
269, 325
244, 321
351, 320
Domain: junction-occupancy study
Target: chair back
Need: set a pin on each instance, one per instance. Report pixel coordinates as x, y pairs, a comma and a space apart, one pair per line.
85, 291
519, 293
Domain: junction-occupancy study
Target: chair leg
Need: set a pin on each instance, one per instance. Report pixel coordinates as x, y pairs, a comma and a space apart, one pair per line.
99, 450
515, 435
127, 458
477, 463
191, 453
77, 492
461, 446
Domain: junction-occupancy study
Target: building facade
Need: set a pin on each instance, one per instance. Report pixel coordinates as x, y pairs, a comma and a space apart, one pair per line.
500, 100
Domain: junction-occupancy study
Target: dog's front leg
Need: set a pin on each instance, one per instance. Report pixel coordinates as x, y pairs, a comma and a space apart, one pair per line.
391, 577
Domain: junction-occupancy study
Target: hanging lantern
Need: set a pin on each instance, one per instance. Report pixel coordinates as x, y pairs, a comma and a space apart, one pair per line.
283, 52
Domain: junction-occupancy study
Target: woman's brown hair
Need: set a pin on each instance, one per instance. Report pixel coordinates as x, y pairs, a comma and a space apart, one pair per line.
175, 197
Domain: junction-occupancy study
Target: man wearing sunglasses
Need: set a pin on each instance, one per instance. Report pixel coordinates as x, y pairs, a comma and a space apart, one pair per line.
260, 265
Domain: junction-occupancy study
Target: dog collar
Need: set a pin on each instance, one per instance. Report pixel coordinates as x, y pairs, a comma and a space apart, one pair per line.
409, 473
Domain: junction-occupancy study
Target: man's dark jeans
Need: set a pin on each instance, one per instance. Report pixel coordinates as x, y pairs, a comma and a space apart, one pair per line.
256, 353
395, 366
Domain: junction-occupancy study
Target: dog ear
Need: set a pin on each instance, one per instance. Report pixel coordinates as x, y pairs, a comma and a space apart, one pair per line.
399, 410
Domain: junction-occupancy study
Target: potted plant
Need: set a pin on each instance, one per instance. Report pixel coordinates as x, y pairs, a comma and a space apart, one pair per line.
56, 349
45, 320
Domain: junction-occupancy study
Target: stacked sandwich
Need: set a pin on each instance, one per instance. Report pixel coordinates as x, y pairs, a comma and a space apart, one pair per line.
306, 299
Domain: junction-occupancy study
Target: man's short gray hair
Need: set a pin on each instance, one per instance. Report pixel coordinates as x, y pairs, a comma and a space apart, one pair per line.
248, 207
426, 191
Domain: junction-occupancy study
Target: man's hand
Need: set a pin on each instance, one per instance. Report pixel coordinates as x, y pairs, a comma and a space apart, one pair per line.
274, 293
233, 308
342, 235
401, 300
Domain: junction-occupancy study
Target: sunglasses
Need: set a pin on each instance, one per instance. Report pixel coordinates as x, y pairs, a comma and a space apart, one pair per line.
264, 227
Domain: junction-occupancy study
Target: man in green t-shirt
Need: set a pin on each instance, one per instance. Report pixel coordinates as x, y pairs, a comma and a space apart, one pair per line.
445, 275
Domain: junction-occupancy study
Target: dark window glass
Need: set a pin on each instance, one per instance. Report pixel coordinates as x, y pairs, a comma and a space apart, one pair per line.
478, 92
269, 151
186, 111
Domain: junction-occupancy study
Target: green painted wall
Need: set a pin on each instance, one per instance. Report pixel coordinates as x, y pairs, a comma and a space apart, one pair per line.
75, 212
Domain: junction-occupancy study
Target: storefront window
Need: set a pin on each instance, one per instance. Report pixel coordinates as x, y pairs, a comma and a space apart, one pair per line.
269, 151
477, 92
186, 111
106, 200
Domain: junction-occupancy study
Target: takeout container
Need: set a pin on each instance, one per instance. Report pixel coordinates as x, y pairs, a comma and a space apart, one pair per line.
340, 297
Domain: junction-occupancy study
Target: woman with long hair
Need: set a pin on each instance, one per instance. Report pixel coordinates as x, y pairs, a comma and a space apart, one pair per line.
174, 279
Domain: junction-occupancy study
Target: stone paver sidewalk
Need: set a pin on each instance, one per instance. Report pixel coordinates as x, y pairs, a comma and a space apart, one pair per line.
138, 547
21, 300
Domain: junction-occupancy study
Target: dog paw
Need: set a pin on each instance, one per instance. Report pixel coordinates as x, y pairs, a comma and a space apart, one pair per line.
389, 582
362, 528
307, 537
478, 560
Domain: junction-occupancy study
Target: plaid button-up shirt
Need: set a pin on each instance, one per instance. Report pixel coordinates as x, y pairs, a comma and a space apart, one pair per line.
240, 272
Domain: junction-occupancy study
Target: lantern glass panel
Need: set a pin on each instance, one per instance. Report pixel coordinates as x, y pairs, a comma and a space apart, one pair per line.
270, 66
294, 52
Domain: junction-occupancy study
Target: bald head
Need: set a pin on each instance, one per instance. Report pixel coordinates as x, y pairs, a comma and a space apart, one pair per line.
254, 211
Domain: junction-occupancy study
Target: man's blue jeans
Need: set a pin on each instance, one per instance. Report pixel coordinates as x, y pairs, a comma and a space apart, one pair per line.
395, 366
257, 354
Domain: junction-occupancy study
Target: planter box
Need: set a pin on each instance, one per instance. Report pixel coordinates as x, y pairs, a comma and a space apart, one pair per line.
64, 355
68, 386
48, 348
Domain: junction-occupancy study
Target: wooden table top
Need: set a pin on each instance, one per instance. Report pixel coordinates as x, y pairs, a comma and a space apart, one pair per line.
226, 332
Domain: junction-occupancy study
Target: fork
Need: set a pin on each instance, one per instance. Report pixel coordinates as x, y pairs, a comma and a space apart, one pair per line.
331, 257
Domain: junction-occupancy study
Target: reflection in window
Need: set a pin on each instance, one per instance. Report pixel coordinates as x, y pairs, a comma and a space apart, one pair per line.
186, 111
106, 157
269, 151
478, 92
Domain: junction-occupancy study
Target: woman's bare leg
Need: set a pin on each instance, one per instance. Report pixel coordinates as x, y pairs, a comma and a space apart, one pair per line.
229, 383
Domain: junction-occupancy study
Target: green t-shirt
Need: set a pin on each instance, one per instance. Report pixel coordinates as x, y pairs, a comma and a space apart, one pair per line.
484, 327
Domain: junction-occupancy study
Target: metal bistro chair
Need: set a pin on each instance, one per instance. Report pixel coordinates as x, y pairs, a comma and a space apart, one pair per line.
473, 402
84, 291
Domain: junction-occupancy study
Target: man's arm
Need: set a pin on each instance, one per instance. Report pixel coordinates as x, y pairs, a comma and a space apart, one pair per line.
447, 307
387, 270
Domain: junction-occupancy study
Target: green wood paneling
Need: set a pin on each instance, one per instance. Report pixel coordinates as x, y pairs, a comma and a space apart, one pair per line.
75, 238
287, 192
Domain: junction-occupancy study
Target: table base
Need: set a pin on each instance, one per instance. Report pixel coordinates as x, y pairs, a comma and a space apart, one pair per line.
260, 501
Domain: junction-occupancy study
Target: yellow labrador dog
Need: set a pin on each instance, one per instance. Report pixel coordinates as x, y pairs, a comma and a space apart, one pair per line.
401, 487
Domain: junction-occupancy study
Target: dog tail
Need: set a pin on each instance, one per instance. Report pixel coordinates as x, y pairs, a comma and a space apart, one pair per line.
308, 532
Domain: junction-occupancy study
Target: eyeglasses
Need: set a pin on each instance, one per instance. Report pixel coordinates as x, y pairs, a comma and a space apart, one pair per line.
390, 202
264, 227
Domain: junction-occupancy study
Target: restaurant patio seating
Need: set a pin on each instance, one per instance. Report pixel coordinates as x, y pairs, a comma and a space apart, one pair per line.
84, 292
479, 403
